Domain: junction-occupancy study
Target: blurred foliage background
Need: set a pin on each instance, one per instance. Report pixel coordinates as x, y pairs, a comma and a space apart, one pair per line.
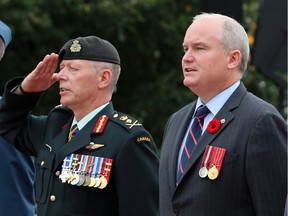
148, 35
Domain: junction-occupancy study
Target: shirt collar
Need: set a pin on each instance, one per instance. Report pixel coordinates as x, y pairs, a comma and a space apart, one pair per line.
88, 117
216, 103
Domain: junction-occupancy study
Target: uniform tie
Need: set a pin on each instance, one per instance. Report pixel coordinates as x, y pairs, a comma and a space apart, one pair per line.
193, 137
73, 131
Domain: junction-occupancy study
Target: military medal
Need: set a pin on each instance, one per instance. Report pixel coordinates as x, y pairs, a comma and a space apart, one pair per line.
93, 174
103, 182
87, 175
74, 177
85, 170
66, 166
216, 161
97, 182
97, 177
81, 170
105, 172
213, 173
203, 172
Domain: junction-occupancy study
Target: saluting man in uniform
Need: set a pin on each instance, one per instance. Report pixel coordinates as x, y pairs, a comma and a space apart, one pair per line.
91, 159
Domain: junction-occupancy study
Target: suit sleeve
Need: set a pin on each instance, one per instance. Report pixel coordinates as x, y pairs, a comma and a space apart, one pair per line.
266, 165
137, 176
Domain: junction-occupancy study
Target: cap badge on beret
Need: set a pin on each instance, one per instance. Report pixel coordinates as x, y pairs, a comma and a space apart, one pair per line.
75, 47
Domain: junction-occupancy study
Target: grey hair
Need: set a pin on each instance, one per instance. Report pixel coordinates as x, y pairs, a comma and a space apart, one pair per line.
233, 37
114, 68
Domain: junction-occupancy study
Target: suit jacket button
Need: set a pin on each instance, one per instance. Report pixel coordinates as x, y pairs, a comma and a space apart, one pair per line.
57, 173
175, 212
52, 198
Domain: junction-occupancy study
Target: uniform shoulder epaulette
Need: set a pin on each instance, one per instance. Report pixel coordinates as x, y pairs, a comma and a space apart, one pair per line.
127, 121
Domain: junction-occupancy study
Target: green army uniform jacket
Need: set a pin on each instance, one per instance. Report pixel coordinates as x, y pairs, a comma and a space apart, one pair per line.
132, 187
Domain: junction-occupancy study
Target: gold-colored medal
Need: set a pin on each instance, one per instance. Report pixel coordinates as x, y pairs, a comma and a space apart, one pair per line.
213, 172
92, 182
71, 177
87, 181
103, 182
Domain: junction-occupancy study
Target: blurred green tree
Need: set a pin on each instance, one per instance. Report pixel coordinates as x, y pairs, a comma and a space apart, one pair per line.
147, 33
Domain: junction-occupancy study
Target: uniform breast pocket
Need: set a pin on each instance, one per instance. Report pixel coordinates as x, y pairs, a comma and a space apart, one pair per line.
44, 168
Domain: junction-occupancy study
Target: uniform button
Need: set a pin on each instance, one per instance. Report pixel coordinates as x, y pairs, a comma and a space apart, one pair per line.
57, 173
42, 163
52, 198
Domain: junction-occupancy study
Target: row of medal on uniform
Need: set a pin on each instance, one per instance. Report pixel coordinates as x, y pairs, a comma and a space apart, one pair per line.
86, 170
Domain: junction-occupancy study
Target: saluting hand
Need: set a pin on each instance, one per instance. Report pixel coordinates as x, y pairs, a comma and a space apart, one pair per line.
43, 76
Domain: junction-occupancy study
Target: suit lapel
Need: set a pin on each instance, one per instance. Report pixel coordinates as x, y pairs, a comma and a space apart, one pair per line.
207, 138
181, 127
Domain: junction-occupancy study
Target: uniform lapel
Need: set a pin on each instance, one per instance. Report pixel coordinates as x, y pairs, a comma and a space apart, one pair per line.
82, 139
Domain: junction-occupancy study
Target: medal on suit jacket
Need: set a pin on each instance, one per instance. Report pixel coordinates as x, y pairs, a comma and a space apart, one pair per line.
212, 162
215, 162
203, 172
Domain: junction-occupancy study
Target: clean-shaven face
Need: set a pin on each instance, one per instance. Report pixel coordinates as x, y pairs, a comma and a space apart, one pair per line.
204, 63
77, 83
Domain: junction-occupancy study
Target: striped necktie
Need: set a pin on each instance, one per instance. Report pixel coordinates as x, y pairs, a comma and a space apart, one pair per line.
73, 131
192, 139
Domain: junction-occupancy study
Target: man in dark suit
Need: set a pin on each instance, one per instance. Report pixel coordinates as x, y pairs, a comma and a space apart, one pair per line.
239, 165
105, 166
17, 178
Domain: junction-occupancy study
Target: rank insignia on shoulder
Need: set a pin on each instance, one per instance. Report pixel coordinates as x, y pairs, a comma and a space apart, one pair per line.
100, 124
123, 118
132, 124
143, 139
128, 121
92, 146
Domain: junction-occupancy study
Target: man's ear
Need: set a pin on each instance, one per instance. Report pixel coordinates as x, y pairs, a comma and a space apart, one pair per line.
105, 76
235, 59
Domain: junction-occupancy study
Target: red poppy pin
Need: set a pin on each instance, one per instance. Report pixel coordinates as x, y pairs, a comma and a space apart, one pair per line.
214, 125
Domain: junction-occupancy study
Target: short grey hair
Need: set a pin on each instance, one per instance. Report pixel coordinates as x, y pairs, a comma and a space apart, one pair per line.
233, 37
114, 68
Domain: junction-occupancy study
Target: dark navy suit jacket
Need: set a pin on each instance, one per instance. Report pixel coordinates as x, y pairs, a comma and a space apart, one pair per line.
253, 177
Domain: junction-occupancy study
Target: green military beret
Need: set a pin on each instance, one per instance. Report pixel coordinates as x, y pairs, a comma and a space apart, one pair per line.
89, 48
